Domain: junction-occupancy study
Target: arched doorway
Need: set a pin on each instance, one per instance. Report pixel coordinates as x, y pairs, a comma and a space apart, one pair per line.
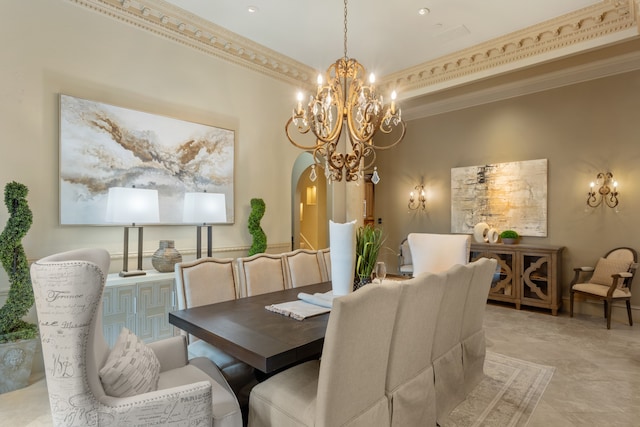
309, 228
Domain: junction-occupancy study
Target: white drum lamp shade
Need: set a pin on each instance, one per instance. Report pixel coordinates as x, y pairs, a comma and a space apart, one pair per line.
204, 208
132, 207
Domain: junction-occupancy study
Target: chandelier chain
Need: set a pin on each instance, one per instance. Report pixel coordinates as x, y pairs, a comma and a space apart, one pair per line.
345, 30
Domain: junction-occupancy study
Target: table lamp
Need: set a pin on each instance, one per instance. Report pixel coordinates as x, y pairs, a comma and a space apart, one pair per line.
203, 209
133, 206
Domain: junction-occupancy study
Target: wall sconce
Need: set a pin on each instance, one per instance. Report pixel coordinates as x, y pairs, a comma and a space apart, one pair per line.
132, 206
608, 191
421, 201
203, 209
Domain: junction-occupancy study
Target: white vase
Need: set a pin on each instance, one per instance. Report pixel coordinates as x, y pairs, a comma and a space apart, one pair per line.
343, 256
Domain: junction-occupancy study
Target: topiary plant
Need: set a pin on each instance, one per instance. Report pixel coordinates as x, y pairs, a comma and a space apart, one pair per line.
259, 244
14, 261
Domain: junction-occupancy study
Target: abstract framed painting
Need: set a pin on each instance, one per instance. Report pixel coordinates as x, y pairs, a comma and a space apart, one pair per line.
104, 146
504, 195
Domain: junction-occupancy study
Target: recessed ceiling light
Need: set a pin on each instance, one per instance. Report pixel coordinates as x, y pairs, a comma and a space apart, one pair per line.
423, 11
252, 9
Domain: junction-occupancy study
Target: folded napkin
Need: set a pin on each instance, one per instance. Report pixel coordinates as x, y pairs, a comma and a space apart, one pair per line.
298, 310
323, 300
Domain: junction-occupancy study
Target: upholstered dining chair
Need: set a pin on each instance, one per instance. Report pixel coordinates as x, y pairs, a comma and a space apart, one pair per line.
472, 335
446, 353
609, 281
261, 273
345, 387
304, 267
405, 262
410, 385
433, 253
156, 384
207, 281
326, 257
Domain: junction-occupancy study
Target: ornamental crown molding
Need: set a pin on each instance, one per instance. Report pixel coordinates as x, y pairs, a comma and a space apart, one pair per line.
606, 22
597, 25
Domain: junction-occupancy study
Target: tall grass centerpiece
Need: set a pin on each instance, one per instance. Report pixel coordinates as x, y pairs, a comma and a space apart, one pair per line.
369, 240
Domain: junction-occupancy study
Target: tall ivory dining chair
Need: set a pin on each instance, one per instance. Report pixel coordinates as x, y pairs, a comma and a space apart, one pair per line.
405, 262
261, 273
207, 281
303, 267
433, 253
345, 387
409, 385
446, 353
472, 336
131, 384
610, 281
326, 257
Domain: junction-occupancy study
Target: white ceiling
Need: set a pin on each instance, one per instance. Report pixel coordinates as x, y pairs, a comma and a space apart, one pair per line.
385, 36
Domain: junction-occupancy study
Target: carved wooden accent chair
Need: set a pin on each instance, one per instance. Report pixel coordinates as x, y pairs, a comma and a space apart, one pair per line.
609, 281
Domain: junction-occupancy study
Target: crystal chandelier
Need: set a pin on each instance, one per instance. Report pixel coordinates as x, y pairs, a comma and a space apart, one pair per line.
343, 100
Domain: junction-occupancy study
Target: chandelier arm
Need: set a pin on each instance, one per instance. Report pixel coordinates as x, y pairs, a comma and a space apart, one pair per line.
396, 142
290, 138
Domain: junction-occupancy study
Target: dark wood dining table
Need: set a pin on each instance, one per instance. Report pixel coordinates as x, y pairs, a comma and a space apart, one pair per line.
266, 340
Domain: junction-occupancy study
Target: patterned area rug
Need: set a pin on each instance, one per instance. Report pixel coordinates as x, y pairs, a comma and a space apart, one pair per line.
506, 396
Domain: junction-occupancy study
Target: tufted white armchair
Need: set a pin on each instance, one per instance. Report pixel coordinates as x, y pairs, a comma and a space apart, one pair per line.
68, 292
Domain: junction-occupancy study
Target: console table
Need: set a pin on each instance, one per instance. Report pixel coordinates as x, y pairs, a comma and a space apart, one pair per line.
139, 303
528, 274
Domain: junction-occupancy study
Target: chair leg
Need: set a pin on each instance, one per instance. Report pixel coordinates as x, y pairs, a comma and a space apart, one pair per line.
571, 303
608, 314
629, 312
606, 308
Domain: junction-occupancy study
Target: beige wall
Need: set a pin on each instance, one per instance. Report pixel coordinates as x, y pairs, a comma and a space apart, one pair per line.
52, 47
581, 129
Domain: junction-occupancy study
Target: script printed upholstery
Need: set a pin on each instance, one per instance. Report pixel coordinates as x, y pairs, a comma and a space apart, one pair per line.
342, 390
434, 253
68, 290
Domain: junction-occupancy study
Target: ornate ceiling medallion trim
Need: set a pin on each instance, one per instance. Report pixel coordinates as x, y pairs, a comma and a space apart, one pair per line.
597, 21
168, 21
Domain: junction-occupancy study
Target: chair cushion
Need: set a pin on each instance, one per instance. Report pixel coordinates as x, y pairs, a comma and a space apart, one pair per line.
601, 290
605, 268
132, 368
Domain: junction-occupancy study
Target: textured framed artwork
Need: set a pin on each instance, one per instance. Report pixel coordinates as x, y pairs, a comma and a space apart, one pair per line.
504, 195
103, 146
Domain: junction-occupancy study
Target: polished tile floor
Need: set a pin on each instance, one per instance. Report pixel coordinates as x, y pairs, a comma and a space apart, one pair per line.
596, 381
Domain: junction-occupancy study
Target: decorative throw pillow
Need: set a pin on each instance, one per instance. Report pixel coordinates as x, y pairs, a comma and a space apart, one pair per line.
605, 268
132, 368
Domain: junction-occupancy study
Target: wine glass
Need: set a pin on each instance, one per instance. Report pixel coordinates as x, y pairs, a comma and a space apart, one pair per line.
380, 271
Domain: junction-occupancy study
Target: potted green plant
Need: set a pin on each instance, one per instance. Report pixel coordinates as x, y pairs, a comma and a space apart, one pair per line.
18, 338
509, 237
369, 240
259, 244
